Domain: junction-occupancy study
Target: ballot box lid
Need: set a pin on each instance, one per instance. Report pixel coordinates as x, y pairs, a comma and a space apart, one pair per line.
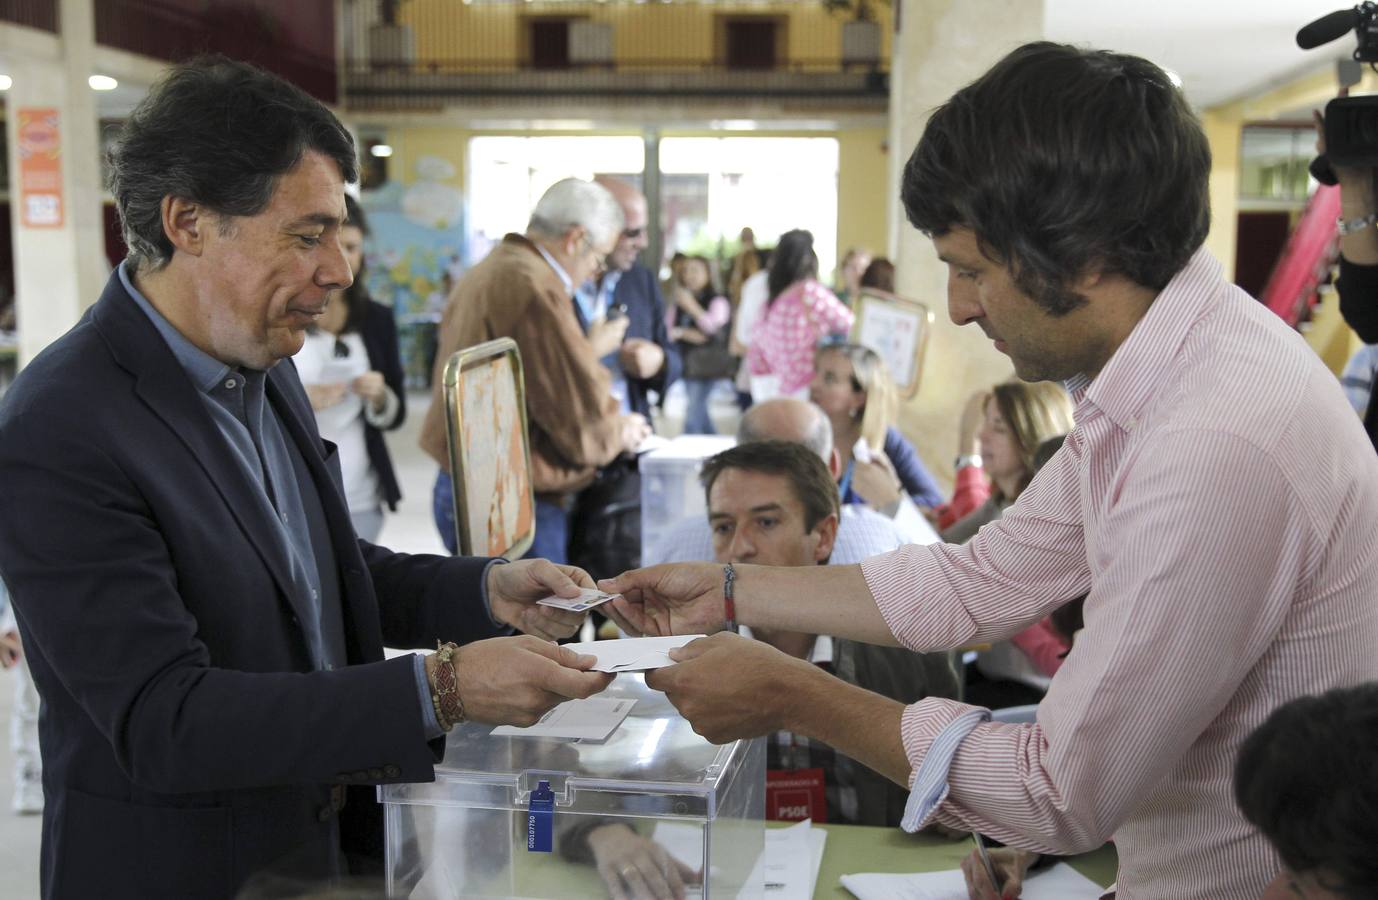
652, 765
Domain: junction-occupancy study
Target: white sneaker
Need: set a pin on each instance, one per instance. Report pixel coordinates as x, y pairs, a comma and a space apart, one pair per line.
28, 793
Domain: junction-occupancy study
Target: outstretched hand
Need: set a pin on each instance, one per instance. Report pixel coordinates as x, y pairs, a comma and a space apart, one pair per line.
678, 598
514, 588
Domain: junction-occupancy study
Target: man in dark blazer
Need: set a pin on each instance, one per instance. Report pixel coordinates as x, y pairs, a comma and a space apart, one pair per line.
627, 323
205, 631
623, 314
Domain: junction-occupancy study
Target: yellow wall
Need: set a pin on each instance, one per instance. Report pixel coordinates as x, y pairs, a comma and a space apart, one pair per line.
863, 190
447, 30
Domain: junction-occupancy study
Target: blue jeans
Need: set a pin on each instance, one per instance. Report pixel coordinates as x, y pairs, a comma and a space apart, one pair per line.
696, 418
552, 523
443, 511
552, 533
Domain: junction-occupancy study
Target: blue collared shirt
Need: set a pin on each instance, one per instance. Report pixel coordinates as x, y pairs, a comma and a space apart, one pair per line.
236, 400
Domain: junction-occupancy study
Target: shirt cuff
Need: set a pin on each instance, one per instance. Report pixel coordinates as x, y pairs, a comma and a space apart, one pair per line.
483, 591
930, 788
423, 685
382, 420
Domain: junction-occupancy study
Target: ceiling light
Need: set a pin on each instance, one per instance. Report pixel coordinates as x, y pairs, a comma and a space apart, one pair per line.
102, 83
5, 82
381, 150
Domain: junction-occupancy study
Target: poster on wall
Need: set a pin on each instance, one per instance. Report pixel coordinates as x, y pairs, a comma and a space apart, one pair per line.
40, 167
414, 254
896, 328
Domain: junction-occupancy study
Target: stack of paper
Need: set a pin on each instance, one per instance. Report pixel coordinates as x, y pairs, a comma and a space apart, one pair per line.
633, 654
592, 719
1061, 882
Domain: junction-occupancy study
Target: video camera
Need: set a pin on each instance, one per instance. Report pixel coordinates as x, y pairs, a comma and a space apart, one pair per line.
1351, 123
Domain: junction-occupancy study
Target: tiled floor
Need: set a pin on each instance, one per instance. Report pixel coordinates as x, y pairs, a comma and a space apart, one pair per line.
410, 529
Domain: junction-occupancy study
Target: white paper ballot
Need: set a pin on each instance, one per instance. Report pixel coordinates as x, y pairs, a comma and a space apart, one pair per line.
633, 654
1061, 882
591, 719
793, 858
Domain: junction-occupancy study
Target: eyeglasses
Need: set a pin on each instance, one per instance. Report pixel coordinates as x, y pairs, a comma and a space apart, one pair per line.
632, 234
341, 349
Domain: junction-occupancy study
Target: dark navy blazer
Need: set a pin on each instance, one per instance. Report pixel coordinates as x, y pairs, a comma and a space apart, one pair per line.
638, 291
187, 742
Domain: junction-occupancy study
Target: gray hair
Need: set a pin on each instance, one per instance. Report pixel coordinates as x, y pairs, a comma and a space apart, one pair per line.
572, 202
218, 133
765, 422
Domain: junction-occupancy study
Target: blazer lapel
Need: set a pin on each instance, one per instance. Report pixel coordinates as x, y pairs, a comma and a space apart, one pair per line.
162, 383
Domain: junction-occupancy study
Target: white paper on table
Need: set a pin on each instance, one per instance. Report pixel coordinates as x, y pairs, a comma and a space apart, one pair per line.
633, 654
651, 442
793, 858
590, 719
1061, 882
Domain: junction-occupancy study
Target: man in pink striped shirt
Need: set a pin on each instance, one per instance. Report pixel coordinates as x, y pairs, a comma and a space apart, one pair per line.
1216, 503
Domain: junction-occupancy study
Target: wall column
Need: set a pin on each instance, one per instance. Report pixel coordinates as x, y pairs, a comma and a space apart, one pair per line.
941, 46
59, 271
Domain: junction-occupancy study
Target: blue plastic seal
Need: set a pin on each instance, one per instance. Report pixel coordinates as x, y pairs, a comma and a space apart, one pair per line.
540, 819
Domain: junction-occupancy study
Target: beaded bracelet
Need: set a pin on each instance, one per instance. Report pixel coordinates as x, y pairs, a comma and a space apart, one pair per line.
449, 708
729, 602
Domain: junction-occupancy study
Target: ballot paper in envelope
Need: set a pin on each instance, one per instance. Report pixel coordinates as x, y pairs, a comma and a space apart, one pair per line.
633, 654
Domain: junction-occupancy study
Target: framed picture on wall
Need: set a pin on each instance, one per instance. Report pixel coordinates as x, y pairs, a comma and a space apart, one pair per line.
490, 450
897, 328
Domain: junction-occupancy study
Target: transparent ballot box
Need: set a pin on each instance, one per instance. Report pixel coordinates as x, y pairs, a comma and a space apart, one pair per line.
653, 794
670, 489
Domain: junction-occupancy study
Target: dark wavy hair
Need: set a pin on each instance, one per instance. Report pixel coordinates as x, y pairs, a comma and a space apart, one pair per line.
792, 260
807, 474
356, 295
1306, 779
1063, 160
219, 133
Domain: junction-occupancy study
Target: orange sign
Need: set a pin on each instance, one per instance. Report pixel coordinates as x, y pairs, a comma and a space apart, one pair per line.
40, 168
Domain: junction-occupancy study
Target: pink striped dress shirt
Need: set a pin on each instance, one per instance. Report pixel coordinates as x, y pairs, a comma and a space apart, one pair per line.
1218, 500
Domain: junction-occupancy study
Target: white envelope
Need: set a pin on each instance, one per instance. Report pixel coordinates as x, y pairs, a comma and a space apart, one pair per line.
633, 654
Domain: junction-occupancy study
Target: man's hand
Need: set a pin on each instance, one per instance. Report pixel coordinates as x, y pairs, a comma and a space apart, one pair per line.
516, 680
10, 650
606, 335
973, 414
682, 598
731, 687
1010, 866
641, 359
324, 396
635, 429
637, 868
514, 588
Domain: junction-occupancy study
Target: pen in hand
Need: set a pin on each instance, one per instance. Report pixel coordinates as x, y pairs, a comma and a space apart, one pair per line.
985, 861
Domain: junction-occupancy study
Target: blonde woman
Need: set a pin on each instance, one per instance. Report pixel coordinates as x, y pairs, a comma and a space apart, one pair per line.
1018, 418
879, 464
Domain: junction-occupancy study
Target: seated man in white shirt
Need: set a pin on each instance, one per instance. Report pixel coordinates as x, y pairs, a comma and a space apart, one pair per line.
774, 503
861, 532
